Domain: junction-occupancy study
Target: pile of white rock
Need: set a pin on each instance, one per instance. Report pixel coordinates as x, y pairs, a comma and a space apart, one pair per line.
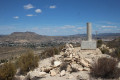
71, 60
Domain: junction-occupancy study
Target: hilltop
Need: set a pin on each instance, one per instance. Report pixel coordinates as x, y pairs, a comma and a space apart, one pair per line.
24, 37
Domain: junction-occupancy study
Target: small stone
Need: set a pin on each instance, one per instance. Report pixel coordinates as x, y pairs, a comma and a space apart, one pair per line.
69, 69
67, 59
62, 73
52, 73
86, 69
57, 63
38, 74
71, 55
85, 64
19, 77
89, 60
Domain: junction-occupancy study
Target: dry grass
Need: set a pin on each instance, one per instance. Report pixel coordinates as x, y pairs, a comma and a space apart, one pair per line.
7, 71
27, 62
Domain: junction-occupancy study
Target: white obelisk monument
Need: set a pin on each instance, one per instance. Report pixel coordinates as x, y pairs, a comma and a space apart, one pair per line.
89, 44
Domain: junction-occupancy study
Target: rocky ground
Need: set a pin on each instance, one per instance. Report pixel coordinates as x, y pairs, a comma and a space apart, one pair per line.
71, 64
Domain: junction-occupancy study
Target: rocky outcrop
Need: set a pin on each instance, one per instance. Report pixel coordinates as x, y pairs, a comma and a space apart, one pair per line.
68, 65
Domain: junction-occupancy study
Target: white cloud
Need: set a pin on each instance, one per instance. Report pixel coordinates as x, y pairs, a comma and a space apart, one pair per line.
109, 26
30, 15
67, 27
80, 28
16, 17
38, 11
52, 7
28, 6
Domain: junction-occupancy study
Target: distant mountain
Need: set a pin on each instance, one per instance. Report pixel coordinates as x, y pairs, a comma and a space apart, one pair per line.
30, 37
109, 34
24, 37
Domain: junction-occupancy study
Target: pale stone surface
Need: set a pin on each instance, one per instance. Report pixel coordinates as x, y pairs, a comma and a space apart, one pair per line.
52, 72
89, 32
62, 73
84, 63
21, 77
88, 45
57, 63
38, 74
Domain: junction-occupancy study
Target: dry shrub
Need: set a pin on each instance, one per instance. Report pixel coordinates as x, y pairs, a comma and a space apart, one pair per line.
7, 71
104, 51
105, 68
27, 62
99, 43
49, 52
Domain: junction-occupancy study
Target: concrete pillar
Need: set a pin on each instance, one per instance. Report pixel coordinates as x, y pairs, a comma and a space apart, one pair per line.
89, 32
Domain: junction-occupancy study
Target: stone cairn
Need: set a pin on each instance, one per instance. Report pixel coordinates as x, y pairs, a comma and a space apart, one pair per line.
69, 60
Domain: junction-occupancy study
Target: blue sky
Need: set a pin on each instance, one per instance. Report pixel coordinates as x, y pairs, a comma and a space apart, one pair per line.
59, 17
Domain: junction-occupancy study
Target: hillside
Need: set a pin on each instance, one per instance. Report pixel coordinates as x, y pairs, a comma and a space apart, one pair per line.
24, 37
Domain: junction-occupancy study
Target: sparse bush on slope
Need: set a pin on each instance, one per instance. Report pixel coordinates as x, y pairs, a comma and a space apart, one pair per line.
7, 71
99, 43
104, 51
50, 52
105, 68
27, 62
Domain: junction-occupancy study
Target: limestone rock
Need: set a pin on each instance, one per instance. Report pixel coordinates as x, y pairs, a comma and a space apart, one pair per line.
86, 69
46, 69
67, 59
37, 74
84, 63
19, 77
80, 68
52, 73
62, 73
69, 69
57, 63
89, 60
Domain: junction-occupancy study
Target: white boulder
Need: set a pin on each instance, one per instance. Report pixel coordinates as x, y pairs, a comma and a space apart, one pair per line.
52, 73
37, 74
57, 63
62, 73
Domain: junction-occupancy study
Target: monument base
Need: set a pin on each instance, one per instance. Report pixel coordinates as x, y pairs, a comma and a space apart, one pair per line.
88, 45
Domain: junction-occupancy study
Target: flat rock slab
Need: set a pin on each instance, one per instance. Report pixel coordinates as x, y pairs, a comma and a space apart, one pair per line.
88, 45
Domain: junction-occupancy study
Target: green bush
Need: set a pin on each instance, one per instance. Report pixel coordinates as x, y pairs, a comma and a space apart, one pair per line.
3, 61
99, 43
7, 71
105, 68
27, 62
104, 51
